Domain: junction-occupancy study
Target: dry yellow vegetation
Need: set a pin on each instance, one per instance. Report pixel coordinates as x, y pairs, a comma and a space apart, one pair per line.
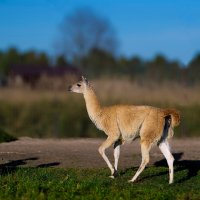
114, 91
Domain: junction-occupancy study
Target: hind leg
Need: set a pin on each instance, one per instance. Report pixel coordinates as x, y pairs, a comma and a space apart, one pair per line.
145, 148
117, 145
164, 147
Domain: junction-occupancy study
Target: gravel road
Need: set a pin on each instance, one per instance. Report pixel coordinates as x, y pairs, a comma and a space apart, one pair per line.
83, 153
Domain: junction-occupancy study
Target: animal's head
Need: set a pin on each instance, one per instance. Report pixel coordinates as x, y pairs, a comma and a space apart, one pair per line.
79, 87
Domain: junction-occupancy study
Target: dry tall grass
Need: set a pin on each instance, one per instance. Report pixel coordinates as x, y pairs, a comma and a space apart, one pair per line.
112, 91
126, 91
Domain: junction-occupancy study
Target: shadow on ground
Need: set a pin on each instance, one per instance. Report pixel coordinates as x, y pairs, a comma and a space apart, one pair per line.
192, 166
11, 166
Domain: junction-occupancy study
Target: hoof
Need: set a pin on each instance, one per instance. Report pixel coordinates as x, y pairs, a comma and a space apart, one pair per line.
131, 181
115, 174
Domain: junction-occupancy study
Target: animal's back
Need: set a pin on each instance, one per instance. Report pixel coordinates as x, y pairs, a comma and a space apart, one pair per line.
130, 120
144, 121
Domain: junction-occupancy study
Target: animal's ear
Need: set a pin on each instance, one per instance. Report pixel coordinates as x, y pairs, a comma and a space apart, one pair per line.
84, 80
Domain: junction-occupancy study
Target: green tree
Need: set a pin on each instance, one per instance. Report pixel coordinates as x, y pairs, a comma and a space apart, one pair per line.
29, 58
98, 63
193, 70
132, 67
160, 69
61, 61
7, 59
42, 59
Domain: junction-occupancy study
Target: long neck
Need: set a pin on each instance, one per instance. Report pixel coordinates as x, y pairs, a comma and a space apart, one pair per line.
92, 104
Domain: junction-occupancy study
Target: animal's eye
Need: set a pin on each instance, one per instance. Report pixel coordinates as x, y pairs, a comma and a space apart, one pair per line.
79, 85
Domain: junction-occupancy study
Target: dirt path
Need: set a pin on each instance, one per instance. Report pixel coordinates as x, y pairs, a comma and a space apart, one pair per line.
83, 153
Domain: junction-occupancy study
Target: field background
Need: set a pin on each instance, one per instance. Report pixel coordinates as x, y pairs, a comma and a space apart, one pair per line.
60, 114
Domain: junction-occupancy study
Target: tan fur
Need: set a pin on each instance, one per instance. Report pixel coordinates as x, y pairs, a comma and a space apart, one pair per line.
175, 116
127, 122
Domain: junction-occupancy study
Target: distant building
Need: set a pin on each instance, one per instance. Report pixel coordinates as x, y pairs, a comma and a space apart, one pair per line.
36, 76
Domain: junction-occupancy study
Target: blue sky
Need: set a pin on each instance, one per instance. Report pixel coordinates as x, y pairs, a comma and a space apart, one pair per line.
144, 27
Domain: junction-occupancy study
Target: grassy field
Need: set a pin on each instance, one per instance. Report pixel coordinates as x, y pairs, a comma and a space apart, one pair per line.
122, 90
54, 183
60, 114
70, 119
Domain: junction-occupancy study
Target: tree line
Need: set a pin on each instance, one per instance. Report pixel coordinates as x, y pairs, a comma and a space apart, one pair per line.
99, 63
30, 58
159, 69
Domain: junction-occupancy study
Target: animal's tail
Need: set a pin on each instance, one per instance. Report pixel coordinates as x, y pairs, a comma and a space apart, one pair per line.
172, 119
175, 116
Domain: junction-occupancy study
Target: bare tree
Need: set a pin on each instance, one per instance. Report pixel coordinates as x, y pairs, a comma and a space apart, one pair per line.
82, 31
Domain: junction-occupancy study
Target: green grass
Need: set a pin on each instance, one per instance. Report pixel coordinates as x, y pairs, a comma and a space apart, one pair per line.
70, 119
55, 183
5, 137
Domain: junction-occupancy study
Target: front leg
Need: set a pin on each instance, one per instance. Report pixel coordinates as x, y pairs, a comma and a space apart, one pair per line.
109, 141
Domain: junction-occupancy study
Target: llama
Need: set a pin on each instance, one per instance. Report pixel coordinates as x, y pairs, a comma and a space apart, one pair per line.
123, 123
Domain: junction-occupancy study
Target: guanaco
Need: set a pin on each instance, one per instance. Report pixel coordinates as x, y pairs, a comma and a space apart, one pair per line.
123, 123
